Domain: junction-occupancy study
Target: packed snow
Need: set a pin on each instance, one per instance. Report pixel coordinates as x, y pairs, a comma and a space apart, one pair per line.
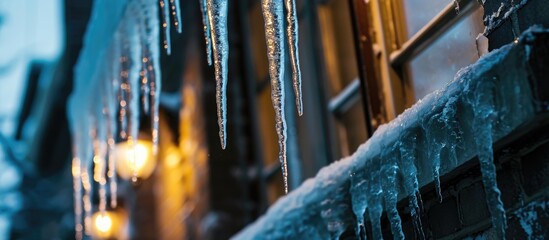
440, 132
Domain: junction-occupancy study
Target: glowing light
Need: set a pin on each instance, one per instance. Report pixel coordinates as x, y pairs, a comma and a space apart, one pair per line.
135, 159
103, 223
107, 225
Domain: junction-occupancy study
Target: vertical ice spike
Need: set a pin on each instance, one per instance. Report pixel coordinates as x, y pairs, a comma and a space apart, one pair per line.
359, 186
86, 173
206, 23
144, 72
411, 185
292, 31
99, 153
153, 70
135, 62
111, 92
375, 195
217, 15
483, 106
176, 13
165, 15
274, 32
389, 181
77, 187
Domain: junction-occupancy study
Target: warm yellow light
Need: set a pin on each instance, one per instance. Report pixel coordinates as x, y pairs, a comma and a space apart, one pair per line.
103, 223
106, 225
135, 158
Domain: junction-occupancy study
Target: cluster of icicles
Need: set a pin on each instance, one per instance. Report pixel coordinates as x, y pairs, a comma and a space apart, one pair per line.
215, 31
115, 83
440, 132
124, 75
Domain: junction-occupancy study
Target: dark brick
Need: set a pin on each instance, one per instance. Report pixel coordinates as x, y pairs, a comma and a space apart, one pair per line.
535, 170
444, 217
472, 203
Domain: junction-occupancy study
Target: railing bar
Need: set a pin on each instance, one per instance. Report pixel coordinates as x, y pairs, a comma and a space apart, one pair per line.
447, 18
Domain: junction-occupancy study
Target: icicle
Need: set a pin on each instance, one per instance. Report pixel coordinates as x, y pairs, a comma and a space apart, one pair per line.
432, 132
99, 153
176, 13
411, 186
144, 74
358, 189
165, 15
292, 32
85, 174
206, 22
77, 187
134, 50
389, 183
375, 209
274, 33
111, 117
217, 15
483, 106
153, 69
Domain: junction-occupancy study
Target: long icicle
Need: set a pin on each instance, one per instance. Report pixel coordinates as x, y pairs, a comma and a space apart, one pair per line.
165, 15
176, 13
274, 32
291, 30
217, 15
206, 22
77, 187
112, 117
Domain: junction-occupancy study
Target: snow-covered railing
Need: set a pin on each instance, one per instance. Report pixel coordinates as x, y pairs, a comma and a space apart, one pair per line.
484, 103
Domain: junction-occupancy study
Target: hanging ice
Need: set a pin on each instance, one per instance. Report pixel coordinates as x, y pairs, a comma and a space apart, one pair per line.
217, 17
292, 26
176, 13
273, 13
485, 114
165, 15
215, 34
206, 22
110, 78
480, 106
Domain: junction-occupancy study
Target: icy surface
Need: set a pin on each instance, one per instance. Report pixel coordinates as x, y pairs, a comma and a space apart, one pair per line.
292, 35
217, 16
114, 79
440, 132
273, 13
214, 16
206, 23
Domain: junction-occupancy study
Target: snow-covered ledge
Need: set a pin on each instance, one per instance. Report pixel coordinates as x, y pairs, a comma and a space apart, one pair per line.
484, 103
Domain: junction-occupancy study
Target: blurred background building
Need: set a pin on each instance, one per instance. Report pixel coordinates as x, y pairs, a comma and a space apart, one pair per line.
363, 63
